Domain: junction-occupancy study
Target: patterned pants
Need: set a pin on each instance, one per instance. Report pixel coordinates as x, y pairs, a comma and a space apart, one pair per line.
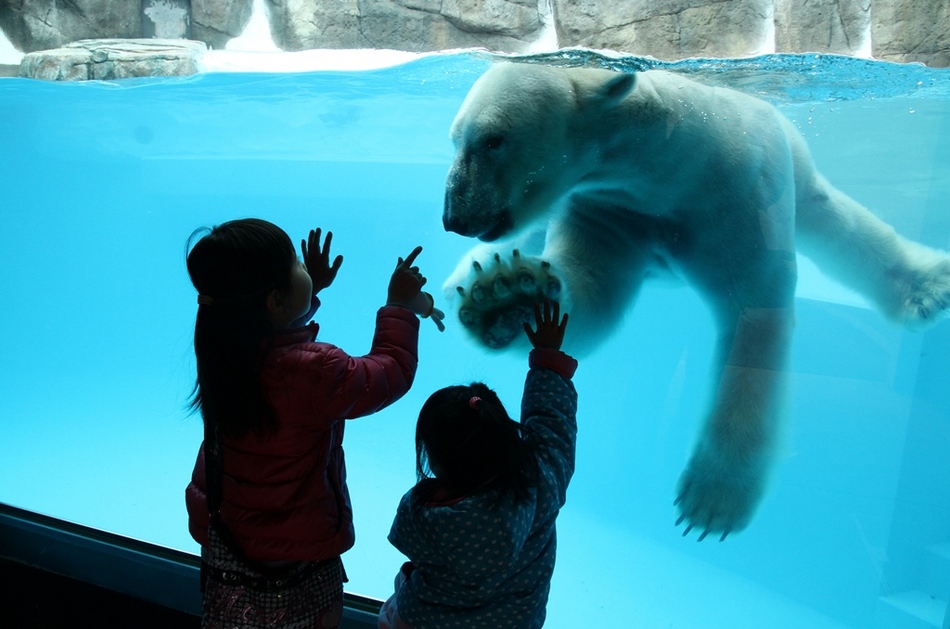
308, 596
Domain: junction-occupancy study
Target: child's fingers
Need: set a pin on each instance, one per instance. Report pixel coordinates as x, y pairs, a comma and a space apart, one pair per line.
546, 313
530, 332
412, 257
314, 244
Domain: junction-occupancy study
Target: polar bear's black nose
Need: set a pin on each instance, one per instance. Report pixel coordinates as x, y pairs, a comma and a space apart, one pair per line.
452, 223
451, 220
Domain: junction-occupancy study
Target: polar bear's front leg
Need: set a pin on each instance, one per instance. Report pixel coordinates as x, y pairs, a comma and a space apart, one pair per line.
726, 475
497, 293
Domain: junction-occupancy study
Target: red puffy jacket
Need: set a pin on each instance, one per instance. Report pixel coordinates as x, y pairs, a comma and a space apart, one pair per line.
285, 496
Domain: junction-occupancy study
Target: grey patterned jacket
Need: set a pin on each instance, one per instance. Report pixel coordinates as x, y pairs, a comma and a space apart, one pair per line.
481, 565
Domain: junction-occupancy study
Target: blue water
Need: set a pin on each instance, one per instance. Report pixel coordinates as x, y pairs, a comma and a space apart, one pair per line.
103, 182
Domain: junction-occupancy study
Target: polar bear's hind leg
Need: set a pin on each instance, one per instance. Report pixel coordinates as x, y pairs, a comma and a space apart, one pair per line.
907, 281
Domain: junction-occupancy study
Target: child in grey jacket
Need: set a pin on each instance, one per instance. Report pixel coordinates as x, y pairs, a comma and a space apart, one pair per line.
479, 526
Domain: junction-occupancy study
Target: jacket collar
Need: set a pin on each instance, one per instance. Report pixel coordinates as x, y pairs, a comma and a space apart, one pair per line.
304, 334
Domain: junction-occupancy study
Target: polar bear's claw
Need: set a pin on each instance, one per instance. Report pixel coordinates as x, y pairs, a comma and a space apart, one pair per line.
923, 288
925, 308
502, 295
718, 492
932, 301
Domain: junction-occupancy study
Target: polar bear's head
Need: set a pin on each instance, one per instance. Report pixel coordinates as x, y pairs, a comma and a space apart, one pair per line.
522, 143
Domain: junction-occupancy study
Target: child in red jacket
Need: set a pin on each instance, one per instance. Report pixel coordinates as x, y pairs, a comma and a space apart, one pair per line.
270, 505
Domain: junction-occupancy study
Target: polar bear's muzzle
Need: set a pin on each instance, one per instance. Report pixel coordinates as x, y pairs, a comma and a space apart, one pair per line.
474, 208
486, 229
501, 227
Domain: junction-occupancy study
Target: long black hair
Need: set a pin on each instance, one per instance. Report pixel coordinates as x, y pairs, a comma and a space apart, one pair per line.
234, 266
466, 443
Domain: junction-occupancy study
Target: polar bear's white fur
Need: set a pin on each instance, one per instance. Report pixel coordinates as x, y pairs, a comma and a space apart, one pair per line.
620, 176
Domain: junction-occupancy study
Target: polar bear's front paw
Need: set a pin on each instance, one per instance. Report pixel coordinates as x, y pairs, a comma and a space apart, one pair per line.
718, 492
501, 295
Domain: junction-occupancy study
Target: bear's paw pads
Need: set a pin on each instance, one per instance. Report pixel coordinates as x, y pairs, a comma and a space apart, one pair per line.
718, 494
500, 296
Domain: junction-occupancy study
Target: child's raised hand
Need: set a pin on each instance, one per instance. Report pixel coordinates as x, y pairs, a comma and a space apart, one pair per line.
406, 282
550, 332
317, 260
405, 289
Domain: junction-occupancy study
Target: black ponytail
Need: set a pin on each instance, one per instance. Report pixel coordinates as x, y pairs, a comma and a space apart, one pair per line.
234, 266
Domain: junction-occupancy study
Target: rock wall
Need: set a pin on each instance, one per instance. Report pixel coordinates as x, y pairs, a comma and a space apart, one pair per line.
912, 30
43, 24
897, 30
108, 59
413, 25
839, 27
666, 29
33, 25
215, 22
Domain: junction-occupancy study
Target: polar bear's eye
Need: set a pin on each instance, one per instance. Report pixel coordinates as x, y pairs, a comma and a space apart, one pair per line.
494, 142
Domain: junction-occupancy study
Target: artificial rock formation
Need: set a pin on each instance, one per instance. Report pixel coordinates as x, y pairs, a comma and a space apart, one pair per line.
666, 29
912, 30
96, 59
215, 22
896, 30
33, 25
413, 25
839, 27
45, 24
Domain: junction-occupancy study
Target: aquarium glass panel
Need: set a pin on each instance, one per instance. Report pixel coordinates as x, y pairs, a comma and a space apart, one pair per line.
104, 182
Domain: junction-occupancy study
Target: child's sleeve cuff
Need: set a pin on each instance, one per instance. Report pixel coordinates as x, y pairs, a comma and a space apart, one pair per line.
553, 359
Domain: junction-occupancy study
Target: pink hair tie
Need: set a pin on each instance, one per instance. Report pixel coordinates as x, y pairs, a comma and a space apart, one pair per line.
473, 401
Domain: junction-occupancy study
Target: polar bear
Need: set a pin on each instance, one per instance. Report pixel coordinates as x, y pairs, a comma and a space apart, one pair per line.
619, 177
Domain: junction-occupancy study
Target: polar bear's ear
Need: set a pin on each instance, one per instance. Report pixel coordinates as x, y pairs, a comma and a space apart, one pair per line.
616, 88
